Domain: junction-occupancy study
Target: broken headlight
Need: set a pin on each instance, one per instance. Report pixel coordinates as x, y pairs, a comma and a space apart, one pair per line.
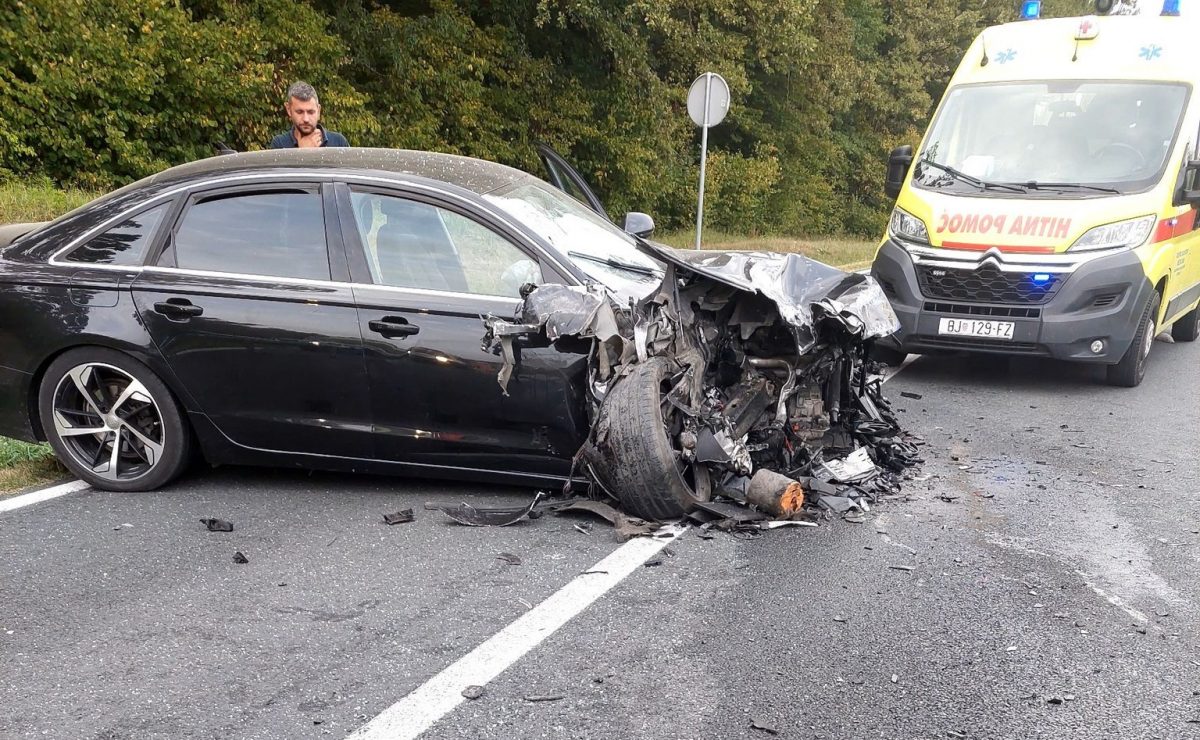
1121, 235
908, 228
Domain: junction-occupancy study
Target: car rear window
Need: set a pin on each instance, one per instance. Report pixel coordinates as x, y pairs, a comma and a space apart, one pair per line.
123, 244
273, 234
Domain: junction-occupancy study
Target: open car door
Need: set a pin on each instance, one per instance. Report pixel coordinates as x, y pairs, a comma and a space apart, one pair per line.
566, 178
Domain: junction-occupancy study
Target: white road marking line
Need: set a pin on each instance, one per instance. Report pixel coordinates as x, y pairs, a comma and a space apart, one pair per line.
45, 494
437, 697
1113, 599
908, 361
1118, 602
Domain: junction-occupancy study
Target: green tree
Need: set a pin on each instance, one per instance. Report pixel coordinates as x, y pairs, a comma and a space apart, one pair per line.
98, 93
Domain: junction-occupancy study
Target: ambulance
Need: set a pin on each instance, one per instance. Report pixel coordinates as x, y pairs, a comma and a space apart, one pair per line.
1051, 207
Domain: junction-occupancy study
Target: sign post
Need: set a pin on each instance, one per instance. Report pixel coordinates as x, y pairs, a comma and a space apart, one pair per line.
708, 102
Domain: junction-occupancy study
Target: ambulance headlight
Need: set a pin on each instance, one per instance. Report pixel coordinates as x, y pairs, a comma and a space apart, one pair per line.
1121, 235
907, 227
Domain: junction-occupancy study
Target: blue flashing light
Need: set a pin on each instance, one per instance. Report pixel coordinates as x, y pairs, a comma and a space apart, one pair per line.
1041, 278
1031, 10
1170, 7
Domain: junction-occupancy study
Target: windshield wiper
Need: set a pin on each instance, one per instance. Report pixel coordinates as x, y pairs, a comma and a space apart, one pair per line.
977, 182
1036, 185
614, 262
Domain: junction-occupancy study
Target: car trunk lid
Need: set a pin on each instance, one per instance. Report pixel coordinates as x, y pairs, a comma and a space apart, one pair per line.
9, 233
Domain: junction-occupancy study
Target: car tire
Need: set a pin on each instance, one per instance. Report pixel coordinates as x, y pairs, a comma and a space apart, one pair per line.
1128, 373
124, 405
1187, 328
637, 462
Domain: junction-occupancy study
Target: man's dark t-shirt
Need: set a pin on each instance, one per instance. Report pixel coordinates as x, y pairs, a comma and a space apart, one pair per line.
286, 140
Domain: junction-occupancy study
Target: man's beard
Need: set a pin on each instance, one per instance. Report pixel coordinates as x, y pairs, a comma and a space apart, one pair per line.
306, 128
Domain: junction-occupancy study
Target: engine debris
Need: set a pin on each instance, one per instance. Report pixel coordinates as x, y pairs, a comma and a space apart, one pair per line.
739, 375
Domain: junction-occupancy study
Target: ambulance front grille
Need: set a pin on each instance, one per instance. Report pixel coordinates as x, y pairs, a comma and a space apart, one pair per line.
1012, 312
987, 284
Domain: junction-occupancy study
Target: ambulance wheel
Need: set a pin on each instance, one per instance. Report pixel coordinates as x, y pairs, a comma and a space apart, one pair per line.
1128, 373
1187, 329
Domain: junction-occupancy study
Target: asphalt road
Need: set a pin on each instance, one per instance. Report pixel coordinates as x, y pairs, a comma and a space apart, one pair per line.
1052, 594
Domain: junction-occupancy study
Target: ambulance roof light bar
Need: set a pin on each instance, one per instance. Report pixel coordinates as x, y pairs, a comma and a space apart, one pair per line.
1031, 10
1170, 7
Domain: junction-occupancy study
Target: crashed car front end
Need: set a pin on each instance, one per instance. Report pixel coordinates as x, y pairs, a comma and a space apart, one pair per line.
739, 376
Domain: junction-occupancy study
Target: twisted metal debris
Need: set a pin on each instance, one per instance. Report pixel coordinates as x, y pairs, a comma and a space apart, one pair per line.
733, 365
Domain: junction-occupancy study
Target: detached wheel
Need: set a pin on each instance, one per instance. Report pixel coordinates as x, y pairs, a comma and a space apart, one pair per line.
1187, 328
1128, 373
112, 422
640, 462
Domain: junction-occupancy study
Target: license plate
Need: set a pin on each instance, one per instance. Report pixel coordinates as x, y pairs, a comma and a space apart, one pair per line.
976, 328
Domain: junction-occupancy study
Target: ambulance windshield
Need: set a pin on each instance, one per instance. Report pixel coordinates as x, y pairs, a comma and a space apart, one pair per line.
1052, 139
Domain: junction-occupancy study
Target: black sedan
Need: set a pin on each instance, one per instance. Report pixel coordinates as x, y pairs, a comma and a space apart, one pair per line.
411, 312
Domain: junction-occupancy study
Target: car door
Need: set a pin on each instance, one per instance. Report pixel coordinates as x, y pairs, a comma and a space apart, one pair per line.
257, 322
426, 271
1185, 272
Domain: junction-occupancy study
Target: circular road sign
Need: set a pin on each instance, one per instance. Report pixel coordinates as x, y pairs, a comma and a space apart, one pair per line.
718, 99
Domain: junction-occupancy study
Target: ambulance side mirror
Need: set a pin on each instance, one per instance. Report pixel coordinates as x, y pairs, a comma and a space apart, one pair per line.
898, 163
1188, 192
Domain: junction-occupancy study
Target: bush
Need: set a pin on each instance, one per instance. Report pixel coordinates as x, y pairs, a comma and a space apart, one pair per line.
100, 93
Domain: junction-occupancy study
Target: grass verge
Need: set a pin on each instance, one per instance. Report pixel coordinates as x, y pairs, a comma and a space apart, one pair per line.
849, 253
23, 465
27, 202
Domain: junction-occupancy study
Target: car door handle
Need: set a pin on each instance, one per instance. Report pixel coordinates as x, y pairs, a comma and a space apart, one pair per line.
178, 308
393, 326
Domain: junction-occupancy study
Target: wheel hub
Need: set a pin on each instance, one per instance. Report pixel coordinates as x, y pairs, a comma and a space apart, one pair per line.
108, 422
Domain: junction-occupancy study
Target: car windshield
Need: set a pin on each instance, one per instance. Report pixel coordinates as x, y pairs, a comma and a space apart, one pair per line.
1077, 137
602, 251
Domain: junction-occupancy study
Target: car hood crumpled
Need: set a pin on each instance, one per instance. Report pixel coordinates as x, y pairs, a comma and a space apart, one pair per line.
796, 284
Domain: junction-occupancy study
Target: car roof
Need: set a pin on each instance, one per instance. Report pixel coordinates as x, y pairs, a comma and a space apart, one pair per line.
473, 175
477, 175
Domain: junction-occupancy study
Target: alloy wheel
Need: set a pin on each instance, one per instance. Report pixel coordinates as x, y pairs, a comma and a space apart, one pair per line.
108, 421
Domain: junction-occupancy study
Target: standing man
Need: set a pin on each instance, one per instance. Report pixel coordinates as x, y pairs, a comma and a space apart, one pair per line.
305, 113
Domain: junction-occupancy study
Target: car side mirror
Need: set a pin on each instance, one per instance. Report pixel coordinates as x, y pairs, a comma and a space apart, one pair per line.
639, 224
1188, 192
898, 163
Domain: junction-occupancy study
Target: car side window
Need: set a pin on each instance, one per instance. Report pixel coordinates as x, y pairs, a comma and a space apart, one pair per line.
124, 244
409, 244
279, 233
